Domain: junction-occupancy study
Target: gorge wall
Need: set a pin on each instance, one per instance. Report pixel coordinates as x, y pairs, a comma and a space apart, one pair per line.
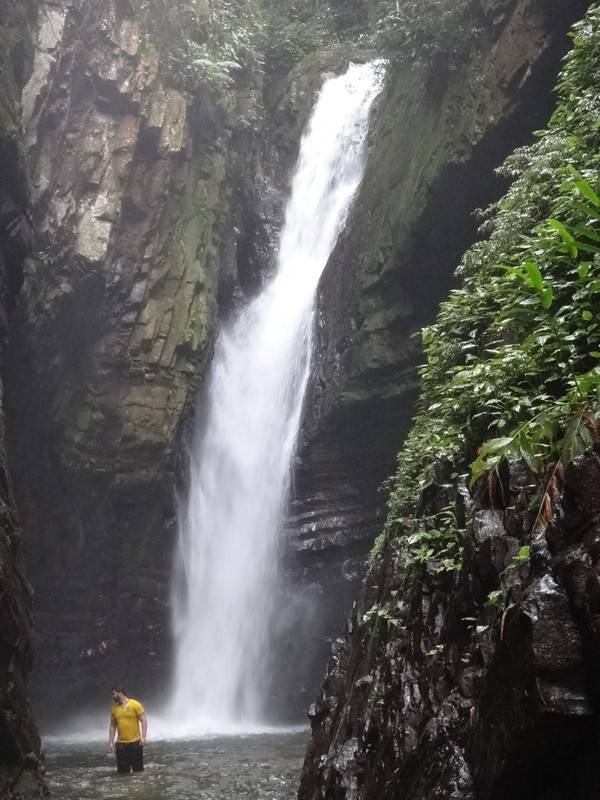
469, 667
135, 188
441, 131
157, 190
19, 740
158, 175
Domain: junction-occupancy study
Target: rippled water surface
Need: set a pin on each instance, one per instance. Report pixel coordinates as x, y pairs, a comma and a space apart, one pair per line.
257, 767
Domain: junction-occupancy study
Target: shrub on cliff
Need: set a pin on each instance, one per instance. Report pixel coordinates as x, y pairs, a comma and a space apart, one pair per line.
205, 41
297, 28
422, 32
513, 360
290, 41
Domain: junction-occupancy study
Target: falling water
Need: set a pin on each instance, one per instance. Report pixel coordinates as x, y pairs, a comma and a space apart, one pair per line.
244, 442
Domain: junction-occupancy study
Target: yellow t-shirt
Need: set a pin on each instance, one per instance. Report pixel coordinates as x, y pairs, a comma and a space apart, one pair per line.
126, 719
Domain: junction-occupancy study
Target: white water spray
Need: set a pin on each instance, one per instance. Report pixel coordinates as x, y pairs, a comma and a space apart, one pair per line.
243, 446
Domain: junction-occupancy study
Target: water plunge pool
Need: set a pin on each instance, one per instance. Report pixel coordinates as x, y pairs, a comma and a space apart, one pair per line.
253, 767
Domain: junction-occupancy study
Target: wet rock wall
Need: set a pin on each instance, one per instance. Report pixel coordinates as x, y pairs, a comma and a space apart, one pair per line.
155, 208
19, 740
135, 186
478, 682
438, 135
452, 701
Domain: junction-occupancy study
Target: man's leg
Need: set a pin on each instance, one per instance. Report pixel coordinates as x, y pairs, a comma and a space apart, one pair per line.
122, 758
137, 757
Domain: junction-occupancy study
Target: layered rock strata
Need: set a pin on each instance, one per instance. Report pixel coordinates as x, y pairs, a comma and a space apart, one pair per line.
440, 132
154, 207
469, 669
503, 708
136, 188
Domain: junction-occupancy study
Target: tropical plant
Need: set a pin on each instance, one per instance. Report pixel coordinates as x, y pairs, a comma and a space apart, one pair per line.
207, 42
512, 367
418, 32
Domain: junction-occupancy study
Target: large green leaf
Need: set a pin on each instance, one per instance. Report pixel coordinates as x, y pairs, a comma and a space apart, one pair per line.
584, 188
577, 439
565, 236
526, 451
535, 276
547, 297
585, 230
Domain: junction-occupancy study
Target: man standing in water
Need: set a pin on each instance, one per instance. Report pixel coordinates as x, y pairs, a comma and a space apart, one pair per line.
129, 719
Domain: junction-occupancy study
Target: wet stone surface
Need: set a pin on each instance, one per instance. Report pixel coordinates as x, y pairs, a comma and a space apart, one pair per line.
259, 767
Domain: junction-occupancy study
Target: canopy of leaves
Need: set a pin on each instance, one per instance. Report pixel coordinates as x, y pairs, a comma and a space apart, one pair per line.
210, 41
422, 31
297, 28
512, 360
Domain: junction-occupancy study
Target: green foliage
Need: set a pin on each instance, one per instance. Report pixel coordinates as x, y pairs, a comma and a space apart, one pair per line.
380, 613
520, 557
494, 599
558, 433
512, 359
297, 28
497, 597
421, 31
211, 42
378, 546
290, 41
439, 546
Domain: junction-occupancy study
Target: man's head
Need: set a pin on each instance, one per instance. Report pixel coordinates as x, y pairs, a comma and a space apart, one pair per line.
118, 693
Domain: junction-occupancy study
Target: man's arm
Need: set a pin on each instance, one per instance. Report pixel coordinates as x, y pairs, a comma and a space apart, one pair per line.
111, 735
144, 725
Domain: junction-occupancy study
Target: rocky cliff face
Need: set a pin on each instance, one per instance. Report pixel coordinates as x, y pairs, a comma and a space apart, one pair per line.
439, 134
19, 740
469, 667
157, 195
452, 701
135, 189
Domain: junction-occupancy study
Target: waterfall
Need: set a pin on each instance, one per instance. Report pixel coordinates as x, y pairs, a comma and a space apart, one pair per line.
246, 430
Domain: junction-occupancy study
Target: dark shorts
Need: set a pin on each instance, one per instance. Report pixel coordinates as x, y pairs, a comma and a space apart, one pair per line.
130, 757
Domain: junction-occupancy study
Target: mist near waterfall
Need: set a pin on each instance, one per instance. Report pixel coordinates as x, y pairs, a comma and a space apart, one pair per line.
227, 572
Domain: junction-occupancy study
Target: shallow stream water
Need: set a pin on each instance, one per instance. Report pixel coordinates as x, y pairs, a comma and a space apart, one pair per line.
254, 767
